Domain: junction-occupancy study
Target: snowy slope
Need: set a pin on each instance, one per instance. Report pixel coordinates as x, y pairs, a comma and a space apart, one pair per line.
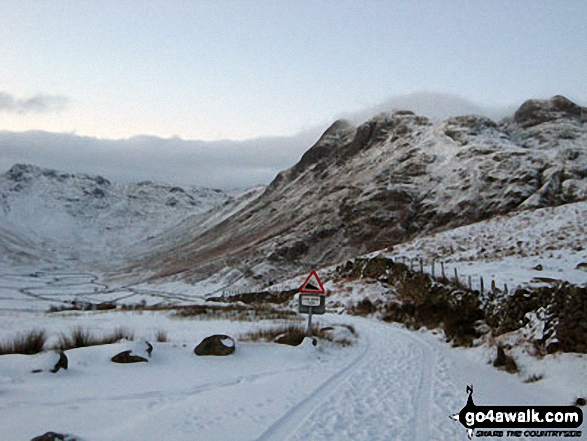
77, 217
510, 248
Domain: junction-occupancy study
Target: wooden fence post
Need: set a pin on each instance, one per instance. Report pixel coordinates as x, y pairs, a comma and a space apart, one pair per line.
456, 276
470, 284
421, 266
442, 271
433, 269
482, 286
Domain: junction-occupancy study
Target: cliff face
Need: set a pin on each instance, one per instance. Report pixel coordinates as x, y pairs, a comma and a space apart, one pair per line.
395, 177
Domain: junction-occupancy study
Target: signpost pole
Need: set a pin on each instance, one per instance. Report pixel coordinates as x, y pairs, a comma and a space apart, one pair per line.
310, 322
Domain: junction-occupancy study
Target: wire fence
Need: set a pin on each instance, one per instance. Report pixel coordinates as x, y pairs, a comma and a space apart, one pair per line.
438, 269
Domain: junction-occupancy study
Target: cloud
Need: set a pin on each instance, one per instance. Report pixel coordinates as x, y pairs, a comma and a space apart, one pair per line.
39, 103
217, 164
435, 105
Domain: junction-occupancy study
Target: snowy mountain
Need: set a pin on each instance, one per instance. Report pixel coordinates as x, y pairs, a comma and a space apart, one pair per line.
394, 178
56, 216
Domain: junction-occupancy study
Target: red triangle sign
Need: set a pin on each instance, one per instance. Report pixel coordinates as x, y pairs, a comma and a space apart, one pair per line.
312, 285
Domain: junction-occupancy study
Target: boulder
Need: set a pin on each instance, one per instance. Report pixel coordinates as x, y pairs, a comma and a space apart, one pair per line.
52, 436
125, 357
61, 363
216, 345
290, 338
149, 348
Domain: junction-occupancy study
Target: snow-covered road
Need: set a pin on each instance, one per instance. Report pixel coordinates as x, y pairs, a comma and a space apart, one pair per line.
387, 392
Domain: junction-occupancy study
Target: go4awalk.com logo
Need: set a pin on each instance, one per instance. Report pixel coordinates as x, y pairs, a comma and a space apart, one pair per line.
519, 421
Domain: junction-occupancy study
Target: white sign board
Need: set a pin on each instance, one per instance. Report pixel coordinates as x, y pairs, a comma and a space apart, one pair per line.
310, 300
316, 303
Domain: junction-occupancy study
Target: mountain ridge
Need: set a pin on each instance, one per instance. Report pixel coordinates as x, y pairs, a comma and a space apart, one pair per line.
74, 216
393, 178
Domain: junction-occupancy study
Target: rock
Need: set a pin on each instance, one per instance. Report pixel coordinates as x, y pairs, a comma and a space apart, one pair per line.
52, 436
580, 402
582, 266
61, 363
553, 347
538, 267
149, 348
290, 338
534, 112
216, 345
505, 361
125, 357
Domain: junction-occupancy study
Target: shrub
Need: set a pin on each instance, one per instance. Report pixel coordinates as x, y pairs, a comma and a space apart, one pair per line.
29, 343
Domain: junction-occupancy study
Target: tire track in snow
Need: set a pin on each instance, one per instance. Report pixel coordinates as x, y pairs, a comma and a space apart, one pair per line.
386, 393
288, 423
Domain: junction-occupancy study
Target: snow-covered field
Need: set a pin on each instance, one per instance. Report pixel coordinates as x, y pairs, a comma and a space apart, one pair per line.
393, 384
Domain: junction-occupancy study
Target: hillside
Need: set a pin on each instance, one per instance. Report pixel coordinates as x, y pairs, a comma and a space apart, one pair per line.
52, 216
394, 178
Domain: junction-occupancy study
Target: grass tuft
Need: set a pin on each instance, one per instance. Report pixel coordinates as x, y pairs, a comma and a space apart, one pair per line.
28, 343
161, 336
81, 338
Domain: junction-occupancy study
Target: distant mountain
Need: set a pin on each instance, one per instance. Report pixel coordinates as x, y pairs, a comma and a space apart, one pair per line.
55, 216
396, 177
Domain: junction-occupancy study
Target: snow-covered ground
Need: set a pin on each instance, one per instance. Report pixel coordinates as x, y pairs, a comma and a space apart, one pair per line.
508, 249
393, 384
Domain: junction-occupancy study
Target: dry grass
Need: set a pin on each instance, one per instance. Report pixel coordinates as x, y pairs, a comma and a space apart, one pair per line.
233, 312
269, 334
295, 330
161, 336
81, 338
28, 343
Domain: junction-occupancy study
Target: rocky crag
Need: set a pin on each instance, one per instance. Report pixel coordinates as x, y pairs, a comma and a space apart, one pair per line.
393, 178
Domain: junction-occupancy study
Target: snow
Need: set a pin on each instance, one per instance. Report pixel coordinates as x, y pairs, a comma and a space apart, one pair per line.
507, 249
55, 216
392, 384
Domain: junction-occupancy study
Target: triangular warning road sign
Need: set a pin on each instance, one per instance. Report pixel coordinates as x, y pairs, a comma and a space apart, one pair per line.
312, 285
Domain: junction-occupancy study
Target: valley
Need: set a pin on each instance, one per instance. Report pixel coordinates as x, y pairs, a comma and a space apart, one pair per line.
402, 216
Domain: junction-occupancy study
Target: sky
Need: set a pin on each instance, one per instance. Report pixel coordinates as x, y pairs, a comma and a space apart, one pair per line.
266, 75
